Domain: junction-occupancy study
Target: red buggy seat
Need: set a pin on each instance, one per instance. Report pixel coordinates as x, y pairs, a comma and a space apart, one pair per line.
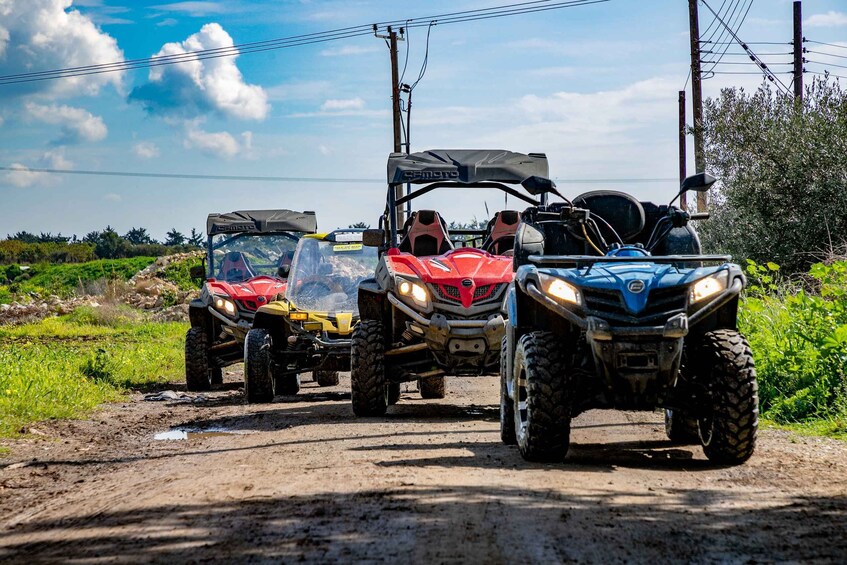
426, 234
501, 230
235, 267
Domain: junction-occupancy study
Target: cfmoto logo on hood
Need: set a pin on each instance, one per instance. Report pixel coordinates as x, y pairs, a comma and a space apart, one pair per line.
635, 286
430, 175
467, 283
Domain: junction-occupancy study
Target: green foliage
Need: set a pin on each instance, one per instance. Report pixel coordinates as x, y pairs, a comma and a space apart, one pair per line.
15, 251
782, 190
799, 341
64, 367
65, 280
178, 272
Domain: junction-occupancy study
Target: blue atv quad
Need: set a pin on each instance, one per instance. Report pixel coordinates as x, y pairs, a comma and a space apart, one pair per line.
614, 306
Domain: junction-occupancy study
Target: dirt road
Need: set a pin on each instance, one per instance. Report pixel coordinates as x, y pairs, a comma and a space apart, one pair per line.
303, 480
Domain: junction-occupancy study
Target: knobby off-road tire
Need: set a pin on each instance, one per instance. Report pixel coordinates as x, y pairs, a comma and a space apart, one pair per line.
433, 387
197, 371
326, 378
543, 398
217, 376
681, 429
728, 435
507, 405
258, 380
368, 386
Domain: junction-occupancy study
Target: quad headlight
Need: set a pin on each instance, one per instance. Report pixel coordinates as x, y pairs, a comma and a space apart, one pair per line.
560, 290
225, 306
708, 286
414, 290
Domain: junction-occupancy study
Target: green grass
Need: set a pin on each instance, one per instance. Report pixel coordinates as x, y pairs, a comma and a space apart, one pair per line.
178, 273
64, 367
66, 279
835, 428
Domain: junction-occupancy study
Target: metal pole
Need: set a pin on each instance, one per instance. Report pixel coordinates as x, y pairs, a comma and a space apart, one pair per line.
798, 50
697, 99
683, 201
409, 148
395, 111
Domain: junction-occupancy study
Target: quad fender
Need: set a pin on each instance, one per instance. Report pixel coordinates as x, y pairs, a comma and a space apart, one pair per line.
271, 317
527, 314
372, 300
724, 308
198, 314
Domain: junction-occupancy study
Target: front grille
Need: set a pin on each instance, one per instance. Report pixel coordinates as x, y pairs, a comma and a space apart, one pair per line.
480, 293
661, 304
251, 305
448, 292
488, 291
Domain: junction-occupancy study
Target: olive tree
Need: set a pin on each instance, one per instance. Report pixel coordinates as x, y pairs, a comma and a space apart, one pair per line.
782, 170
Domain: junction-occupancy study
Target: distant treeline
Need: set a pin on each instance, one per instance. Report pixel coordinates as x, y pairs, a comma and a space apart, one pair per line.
28, 248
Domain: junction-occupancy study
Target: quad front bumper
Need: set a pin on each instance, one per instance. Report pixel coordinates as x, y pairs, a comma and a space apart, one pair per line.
456, 344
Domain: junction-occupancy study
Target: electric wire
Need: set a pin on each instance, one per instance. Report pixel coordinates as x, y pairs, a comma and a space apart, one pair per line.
826, 64
297, 40
765, 70
192, 176
737, 25
827, 54
827, 44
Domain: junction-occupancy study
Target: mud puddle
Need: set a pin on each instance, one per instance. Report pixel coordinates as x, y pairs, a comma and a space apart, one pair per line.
194, 433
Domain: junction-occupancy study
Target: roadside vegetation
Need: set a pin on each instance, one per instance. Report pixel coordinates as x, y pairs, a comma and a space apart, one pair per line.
64, 367
797, 327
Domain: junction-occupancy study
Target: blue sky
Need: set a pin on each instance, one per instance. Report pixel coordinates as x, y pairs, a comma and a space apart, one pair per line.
595, 87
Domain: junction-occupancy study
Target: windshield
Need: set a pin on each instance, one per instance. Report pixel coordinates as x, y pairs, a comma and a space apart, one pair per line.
239, 257
325, 275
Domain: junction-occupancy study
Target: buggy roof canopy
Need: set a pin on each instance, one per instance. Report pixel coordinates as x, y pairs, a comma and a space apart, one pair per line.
261, 221
466, 166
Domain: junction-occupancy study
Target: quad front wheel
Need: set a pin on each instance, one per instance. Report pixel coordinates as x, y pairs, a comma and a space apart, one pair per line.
542, 402
507, 406
258, 380
728, 432
680, 428
197, 370
433, 387
326, 378
368, 386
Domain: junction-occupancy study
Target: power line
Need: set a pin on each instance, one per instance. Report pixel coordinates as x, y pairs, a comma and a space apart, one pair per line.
827, 64
190, 176
505, 10
765, 70
827, 44
737, 25
827, 54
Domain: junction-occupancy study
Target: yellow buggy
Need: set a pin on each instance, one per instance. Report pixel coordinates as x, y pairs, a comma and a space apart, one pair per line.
310, 326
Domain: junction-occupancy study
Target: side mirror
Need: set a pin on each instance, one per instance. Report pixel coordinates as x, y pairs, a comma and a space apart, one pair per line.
373, 237
701, 182
538, 185
197, 273
283, 271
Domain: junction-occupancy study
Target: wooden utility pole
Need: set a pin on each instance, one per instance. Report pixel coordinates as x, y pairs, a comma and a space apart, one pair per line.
683, 201
395, 113
798, 50
697, 99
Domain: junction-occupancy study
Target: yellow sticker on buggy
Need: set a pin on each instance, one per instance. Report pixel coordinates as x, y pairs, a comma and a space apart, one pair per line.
347, 247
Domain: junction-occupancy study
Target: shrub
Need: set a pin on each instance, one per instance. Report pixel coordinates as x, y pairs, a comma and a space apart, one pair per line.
799, 341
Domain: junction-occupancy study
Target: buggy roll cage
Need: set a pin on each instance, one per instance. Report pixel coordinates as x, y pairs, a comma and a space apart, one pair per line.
463, 168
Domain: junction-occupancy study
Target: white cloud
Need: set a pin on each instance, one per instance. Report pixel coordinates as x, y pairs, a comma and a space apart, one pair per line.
145, 150
216, 144
829, 19
348, 50
24, 177
167, 22
112, 197
343, 105
49, 35
77, 124
324, 150
197, 86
